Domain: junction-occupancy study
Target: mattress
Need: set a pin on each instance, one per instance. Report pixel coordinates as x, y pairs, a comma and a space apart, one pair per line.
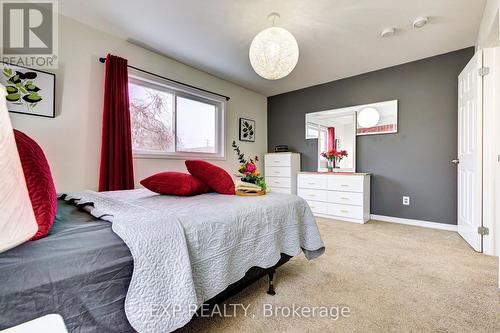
81, 270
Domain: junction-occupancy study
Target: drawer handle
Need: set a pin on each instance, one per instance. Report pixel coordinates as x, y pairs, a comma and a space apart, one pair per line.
311, 183
344, 198
344, 185
276, 161
312, 195
344, 211
277, 182
276, 172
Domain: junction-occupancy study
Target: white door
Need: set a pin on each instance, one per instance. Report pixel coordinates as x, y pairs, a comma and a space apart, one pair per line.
470, 128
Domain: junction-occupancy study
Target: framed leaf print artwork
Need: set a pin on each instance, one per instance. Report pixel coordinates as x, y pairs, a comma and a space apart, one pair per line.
29, 91
247, 130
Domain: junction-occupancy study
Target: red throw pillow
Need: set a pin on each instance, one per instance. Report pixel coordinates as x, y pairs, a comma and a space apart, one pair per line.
215, 177
176, 183
39, 181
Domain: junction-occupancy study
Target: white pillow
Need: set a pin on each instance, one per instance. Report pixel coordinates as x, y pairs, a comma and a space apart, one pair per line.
17, 219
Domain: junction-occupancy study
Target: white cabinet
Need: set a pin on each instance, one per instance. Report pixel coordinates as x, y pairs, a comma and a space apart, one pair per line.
280, 170
337, 196
316, 182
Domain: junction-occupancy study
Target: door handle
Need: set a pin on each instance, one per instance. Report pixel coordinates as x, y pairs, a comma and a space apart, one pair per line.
455, 161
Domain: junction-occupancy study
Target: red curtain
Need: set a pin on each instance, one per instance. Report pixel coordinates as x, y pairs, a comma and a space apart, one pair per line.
331, 138
117, 171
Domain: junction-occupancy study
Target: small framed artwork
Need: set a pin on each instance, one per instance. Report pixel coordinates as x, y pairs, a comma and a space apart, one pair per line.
29, 91
247, 130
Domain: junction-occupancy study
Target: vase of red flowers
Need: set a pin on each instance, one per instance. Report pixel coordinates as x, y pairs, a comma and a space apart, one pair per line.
333, 157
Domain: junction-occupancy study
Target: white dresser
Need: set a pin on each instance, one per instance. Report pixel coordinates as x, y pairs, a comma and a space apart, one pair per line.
337, 196
280, 170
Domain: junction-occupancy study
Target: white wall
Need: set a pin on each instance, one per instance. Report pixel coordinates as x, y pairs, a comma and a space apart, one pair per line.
489, 30
72, 140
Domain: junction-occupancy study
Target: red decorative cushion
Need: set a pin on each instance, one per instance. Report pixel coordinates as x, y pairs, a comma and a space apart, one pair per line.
176, 183
215, 177
39, 181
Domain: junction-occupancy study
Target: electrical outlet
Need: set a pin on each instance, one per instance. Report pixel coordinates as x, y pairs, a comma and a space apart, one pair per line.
406, 201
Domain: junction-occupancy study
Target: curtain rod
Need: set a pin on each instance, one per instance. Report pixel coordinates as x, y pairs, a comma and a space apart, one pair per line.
103, 60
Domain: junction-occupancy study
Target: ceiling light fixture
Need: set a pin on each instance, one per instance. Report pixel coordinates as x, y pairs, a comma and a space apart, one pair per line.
274, 52
389, 32
420, 22
368, 117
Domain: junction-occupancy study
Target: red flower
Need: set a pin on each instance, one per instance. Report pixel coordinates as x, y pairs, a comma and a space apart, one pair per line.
334, 154
251, 167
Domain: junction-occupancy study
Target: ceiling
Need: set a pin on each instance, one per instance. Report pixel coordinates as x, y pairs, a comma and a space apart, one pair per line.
337, 38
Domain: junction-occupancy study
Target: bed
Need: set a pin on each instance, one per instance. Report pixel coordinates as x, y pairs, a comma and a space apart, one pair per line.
83, 269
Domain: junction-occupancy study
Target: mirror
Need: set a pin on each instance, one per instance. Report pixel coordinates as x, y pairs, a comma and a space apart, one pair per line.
334, 130
377, 118
337, 129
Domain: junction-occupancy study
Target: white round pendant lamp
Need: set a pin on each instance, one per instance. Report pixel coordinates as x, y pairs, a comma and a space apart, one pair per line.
368, 117
274, 52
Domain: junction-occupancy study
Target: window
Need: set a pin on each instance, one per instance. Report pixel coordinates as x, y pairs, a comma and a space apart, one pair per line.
311, 131
323, 146
200, 135
171, 121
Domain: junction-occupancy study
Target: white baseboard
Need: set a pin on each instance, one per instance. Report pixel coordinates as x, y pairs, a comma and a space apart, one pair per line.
417, 223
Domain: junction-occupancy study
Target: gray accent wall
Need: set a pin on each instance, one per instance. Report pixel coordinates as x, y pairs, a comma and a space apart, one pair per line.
416, 160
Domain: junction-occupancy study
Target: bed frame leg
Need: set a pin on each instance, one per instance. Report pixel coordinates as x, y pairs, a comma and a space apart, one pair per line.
271, 285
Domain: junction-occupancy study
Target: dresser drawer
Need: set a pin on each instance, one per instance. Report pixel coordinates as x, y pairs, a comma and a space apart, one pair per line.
312, 181
278, 160
345, 198
318, 207
278, 182
315, 195
281, 190
345, 183
278, 172
353, 212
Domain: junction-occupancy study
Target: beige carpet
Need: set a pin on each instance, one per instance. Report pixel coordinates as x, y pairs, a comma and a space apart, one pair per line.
393, 278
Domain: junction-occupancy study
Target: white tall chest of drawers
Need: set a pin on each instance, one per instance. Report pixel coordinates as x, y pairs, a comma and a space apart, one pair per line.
342, 196
280, 170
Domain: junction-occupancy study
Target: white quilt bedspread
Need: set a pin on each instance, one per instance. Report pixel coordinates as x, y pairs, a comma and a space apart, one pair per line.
187, 250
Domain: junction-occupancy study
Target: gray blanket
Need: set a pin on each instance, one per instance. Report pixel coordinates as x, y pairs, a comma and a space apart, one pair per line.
187, 250
81, 270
